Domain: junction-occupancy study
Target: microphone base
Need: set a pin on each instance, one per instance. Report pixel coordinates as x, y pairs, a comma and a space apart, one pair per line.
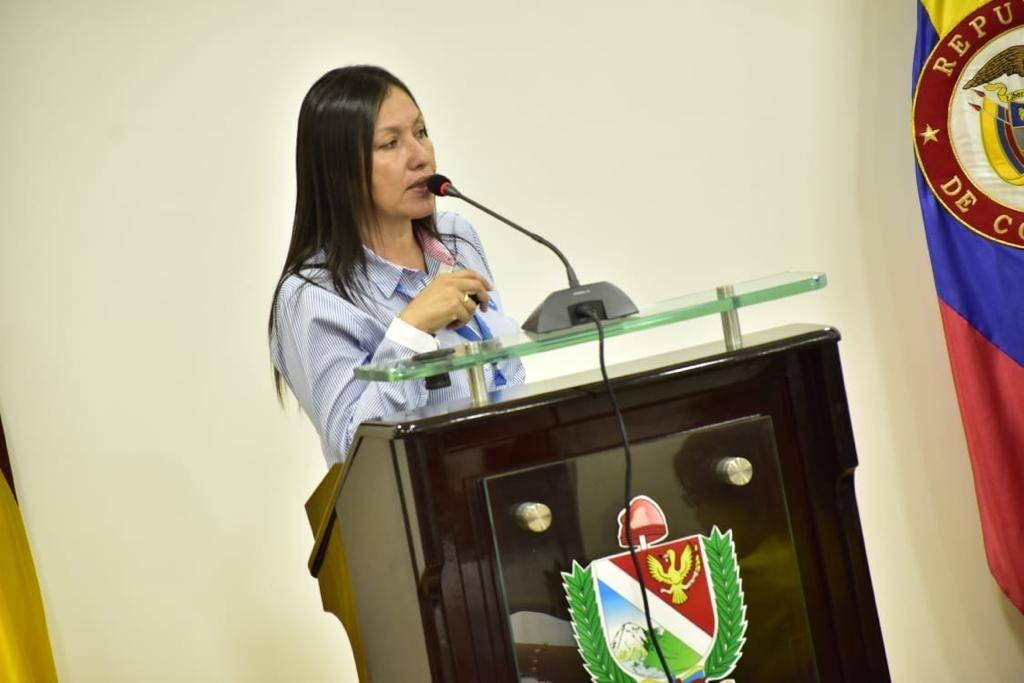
567, 307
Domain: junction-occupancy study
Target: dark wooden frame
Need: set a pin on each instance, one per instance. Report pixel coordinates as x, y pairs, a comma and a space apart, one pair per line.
439, 459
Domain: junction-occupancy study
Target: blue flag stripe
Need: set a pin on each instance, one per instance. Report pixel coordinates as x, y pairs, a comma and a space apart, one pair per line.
927, 39
976, 277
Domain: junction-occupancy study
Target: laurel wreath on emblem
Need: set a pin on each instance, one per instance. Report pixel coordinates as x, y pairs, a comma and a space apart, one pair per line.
731, 610
732, 623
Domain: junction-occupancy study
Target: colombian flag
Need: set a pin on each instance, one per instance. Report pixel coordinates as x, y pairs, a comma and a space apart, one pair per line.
968, 126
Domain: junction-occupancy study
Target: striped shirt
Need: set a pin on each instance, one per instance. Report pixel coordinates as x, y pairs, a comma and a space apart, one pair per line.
319, 338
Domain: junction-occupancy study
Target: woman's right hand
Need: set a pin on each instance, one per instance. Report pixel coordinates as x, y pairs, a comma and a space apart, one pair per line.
445, 302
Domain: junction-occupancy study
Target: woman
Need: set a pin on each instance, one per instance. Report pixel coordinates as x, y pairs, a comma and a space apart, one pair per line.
372, 274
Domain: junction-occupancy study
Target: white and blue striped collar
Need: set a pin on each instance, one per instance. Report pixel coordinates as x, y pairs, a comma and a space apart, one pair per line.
387, 275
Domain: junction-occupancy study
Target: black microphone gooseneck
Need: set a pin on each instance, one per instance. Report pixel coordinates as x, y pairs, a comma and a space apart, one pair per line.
442, 187
566, 307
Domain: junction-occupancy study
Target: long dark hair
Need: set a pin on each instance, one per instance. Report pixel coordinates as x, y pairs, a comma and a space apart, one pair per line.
333, 171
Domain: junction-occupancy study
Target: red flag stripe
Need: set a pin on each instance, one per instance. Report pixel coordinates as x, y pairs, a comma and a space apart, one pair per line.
990, 390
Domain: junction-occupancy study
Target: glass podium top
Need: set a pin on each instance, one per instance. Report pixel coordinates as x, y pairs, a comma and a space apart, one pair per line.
675, 310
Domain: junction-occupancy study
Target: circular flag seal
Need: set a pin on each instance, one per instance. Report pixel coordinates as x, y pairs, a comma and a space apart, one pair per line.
969, 121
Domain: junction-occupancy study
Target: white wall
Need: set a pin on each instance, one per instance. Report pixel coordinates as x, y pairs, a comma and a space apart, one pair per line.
145, 198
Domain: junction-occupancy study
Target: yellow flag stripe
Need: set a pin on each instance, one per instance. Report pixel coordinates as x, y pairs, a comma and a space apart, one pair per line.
946, 14
25, 655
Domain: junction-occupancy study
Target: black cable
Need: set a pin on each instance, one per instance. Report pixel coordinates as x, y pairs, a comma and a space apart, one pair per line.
629, 491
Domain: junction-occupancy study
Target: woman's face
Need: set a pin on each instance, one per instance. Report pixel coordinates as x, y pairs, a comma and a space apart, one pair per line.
403, 159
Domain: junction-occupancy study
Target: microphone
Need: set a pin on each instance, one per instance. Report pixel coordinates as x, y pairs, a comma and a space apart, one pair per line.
566, 307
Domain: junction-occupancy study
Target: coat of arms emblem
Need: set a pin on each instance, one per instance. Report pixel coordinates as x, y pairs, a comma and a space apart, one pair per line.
969, 121
695, 596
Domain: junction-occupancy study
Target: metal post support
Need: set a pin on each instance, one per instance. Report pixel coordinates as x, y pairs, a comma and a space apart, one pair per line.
477, 382
478, 386
730, 320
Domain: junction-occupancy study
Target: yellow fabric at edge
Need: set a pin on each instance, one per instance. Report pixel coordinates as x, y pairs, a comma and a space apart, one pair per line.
25, 655
946, 14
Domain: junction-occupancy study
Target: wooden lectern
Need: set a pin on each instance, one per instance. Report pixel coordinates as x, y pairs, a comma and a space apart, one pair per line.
445, 542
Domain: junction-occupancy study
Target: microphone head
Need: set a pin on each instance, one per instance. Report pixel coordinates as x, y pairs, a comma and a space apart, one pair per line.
439, 185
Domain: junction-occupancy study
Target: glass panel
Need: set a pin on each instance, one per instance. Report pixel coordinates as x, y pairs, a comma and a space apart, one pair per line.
671, 311
679, 473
